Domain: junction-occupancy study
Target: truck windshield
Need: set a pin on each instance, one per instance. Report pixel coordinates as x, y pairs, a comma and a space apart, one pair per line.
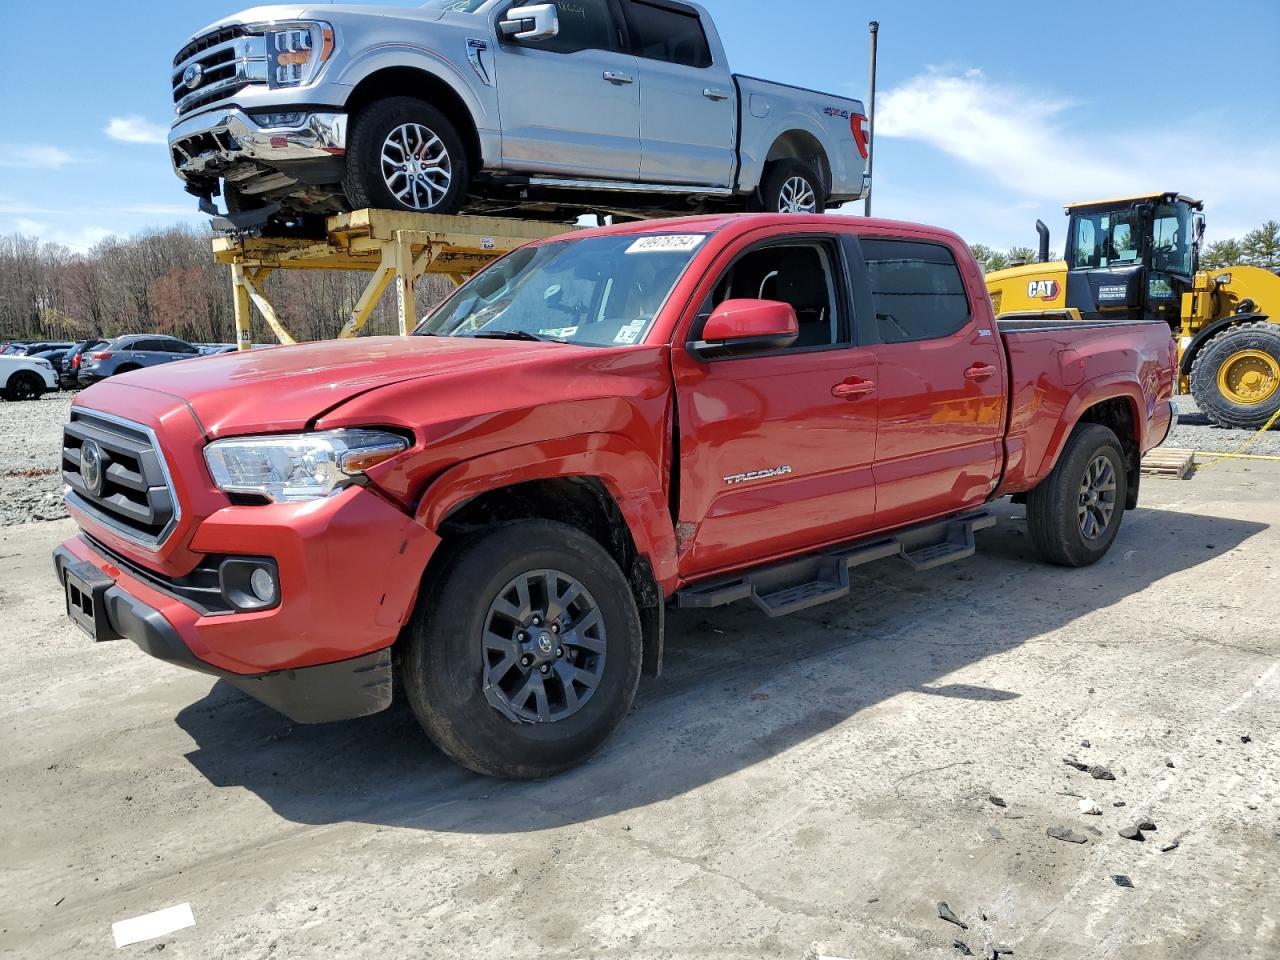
599, 291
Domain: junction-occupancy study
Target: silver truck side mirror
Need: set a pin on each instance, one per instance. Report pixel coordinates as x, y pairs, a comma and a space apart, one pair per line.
535, 22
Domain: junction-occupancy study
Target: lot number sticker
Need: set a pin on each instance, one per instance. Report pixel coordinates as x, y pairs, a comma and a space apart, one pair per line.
667, 243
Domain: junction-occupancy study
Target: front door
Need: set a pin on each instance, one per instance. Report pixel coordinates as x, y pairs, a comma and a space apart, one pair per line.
571, 104
688, 114
941, 382
776, 448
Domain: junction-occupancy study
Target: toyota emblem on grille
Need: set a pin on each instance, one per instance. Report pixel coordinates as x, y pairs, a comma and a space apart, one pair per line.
192, 76
91, 467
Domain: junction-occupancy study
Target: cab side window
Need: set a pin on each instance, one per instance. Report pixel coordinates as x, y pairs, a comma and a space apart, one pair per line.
661, 31
584, 25
916, 290
801, 274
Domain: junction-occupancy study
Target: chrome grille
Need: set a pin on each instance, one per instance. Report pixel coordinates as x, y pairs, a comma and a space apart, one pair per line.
227, 61
132, 493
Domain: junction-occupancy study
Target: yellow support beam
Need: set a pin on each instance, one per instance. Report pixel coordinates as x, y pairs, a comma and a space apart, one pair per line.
393, 246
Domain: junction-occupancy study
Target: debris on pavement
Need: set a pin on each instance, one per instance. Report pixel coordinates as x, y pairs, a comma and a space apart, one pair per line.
1122, 880
1117, 803
1067, 834
1171, 845
1245, 738
152, 925
998, 801
1145, 823
1073, 762
945, 913
1099, 772
1131, 831
1168, 762
1085, 743
1089, 808
962, 947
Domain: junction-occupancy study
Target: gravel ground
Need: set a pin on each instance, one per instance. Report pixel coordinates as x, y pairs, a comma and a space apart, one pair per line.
30, 441
31, 436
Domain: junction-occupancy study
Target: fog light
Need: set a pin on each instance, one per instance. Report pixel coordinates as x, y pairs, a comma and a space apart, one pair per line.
278, 119
263, 585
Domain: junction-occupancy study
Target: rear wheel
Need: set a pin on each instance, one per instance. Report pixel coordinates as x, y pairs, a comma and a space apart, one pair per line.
1235, 378
24, 385
791, 186
404, 154
524, 656
1073, 516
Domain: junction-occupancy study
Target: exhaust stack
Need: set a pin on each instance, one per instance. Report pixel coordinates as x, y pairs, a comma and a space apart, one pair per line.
1044, 241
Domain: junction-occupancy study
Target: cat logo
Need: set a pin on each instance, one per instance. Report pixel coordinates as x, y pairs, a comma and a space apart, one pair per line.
1043, 289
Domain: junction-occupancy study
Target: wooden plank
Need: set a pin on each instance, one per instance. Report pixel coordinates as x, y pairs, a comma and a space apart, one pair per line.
1169, 462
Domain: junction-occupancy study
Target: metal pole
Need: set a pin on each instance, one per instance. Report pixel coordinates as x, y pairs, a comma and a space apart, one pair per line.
874, 27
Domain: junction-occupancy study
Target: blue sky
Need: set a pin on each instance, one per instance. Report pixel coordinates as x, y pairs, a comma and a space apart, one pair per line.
991, 115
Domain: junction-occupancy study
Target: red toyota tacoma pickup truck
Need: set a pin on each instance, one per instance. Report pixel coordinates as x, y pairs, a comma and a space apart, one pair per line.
500, 508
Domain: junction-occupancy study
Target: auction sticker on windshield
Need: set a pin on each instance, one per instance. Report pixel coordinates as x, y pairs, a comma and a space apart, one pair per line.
667, 243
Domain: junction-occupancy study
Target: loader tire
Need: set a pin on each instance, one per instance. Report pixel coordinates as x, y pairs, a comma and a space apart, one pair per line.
1235, 378
1074, 514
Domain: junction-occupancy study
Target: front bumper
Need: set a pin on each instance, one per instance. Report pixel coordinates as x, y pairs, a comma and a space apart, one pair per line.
349, 568
318, 694
209, 144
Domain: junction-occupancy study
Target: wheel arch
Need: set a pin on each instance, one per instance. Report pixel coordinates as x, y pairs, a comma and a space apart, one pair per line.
1118, 408
800, 144
1208, 332
428, 85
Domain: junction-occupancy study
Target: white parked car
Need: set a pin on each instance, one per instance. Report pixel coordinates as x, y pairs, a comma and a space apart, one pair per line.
25, 378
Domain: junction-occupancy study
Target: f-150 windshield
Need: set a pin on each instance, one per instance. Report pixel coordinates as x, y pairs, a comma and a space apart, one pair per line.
600, 291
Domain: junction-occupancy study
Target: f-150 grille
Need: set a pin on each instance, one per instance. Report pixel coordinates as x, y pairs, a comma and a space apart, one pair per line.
218, 65
115, 473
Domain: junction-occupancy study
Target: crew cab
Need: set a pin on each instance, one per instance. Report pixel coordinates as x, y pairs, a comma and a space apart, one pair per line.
614, 106
501, 507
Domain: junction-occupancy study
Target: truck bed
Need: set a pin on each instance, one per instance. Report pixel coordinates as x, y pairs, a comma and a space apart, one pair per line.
1059, 367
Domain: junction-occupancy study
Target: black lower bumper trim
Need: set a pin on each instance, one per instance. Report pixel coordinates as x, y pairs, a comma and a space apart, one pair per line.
317, 694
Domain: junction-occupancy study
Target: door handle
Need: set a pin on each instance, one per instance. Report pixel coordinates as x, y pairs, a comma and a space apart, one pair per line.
713, 94
614, 77
853, 388
979, 371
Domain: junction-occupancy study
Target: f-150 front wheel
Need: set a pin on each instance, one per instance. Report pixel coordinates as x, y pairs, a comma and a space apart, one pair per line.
1073, 516
524, 655
404, 154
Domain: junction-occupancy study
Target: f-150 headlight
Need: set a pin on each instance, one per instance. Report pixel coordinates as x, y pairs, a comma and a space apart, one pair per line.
296, 51
304, 466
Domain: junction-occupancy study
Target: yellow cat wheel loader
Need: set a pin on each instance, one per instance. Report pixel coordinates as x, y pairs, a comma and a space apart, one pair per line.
1133, 258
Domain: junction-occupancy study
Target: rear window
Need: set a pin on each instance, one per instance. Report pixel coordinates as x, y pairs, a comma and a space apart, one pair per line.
916, 290
659, 32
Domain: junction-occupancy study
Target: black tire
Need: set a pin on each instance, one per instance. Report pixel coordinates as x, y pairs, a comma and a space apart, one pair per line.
24, 385
1259, 338
124, 369
1055, 508
444, 663
782, 175
364, 182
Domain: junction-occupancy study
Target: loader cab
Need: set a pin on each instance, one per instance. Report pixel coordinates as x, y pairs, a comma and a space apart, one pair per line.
1132, 258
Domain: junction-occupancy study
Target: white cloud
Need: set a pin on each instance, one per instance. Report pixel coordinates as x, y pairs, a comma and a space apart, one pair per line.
135, 129
37, 155
1029, 147
78, 239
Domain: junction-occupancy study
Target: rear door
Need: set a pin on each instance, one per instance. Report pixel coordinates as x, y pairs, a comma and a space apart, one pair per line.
941, 379
571, 104
775, 449
688, 113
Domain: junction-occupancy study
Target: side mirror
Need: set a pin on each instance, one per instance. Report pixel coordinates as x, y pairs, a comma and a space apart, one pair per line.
744, 326
536, 22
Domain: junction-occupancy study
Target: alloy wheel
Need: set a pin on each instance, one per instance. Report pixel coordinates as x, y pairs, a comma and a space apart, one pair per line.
543, 647
797, 196
1097, 497
416, 166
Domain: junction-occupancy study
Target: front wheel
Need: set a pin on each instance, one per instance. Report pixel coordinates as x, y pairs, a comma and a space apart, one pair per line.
404, 154
791, 186
1073, 516
524, 654
24, 385
1235, 378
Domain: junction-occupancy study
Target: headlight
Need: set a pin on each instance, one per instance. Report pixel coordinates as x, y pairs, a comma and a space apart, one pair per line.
296, 51
305, 466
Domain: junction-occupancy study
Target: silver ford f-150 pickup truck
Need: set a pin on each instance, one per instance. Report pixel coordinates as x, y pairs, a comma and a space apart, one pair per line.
615, 106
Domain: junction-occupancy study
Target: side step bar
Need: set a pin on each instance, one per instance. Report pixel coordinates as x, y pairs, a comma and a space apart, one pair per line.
807, 581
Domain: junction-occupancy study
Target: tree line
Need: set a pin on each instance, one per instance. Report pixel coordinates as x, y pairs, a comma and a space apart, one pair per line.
165, 281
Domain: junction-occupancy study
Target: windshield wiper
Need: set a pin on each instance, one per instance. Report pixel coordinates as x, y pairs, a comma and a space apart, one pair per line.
508, 335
